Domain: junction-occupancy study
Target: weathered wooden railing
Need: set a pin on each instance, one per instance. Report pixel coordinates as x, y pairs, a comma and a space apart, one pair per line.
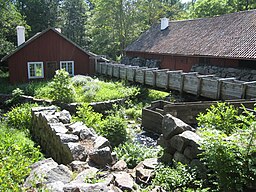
208, 86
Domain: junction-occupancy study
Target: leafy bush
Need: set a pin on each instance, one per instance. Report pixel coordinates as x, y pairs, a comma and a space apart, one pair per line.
232, 158
20, 116
17, 153
80, 80
86, 114
114, 129
178, 177
61, 87
229, 148
134, 153
16, 94
221, 117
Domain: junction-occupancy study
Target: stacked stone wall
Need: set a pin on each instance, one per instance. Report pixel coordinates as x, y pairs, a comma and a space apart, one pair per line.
243, 74
65, 141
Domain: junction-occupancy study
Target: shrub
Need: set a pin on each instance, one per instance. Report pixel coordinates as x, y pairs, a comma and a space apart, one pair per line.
231, 159
221, 117
114, 129
61, 87
134, 153
178, 177
229, 148
80, 80
86, 114
16, 94
17, 153
20, 116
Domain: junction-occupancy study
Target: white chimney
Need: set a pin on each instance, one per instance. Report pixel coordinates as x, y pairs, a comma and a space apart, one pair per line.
164, 23
20, 34
58, 29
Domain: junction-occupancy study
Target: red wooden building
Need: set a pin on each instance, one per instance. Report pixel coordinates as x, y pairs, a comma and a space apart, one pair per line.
227, 41
40, 56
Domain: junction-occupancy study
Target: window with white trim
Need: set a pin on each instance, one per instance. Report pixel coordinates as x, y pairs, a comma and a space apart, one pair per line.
35, 70
68, 66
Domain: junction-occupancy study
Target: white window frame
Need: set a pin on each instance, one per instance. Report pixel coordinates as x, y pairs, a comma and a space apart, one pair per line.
34, 63
72, 63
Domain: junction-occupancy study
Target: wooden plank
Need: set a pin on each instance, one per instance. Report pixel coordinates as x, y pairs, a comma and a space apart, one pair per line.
249, 89
231, 90
209, 87
175, 80
162, 79
123, 71
131, 73
150, 77
110, 69
190, 83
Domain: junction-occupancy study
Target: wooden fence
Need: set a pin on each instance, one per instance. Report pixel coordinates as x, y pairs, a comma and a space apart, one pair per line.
208, 86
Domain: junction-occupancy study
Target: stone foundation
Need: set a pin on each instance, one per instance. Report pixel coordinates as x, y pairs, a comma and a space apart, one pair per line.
240, 74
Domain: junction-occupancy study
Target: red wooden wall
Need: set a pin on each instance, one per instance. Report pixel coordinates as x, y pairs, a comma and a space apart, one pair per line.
50, 46
184, 63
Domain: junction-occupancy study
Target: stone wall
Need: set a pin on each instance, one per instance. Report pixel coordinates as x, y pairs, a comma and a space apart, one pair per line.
65, 141
240, 74
180, 142
141, 62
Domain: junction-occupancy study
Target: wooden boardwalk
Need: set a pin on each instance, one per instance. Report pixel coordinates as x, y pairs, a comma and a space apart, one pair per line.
208, 86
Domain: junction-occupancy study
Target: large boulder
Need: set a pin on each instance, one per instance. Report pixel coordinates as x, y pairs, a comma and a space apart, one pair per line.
124, 181
101, 156
173, 126
47, 171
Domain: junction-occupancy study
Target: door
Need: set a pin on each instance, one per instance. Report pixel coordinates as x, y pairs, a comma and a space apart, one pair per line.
51, 67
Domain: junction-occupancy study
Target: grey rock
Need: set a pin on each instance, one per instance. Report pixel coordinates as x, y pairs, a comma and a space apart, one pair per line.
191, 152
55, 186
119, 166
48, 171
86, 133
64, 117
46, 110
78, 151
101, 156
75, 128
172, 126
113, 188
144, 175
78, 166
124, 181
39, 170
179, 157
59, 173
58, 127
66, 138
101, 142
178, 143
85, 187
90, 172
166, 158
50, 118
191, 137
150, 163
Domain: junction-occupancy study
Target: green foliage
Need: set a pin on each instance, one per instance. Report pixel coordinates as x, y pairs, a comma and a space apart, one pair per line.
86, 114
114, 129
134, 153
93, 178
229, 148
20, 116
221, 117
61, 87
178, 177
17, 153
16, 93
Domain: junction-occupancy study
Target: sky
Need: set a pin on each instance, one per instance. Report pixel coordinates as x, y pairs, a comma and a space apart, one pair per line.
184, 1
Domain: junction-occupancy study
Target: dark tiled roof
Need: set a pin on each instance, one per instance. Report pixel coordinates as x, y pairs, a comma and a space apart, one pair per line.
231, 35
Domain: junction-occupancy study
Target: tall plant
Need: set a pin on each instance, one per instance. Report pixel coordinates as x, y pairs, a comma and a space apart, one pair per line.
61, 87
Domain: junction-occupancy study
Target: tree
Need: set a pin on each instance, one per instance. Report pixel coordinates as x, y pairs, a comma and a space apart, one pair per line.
116, 23
209, 8
75, 15
39, 14
10, 18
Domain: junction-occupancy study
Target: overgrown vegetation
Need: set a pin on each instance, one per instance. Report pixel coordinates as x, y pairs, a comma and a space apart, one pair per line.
229, 147
17, 151
134, 153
